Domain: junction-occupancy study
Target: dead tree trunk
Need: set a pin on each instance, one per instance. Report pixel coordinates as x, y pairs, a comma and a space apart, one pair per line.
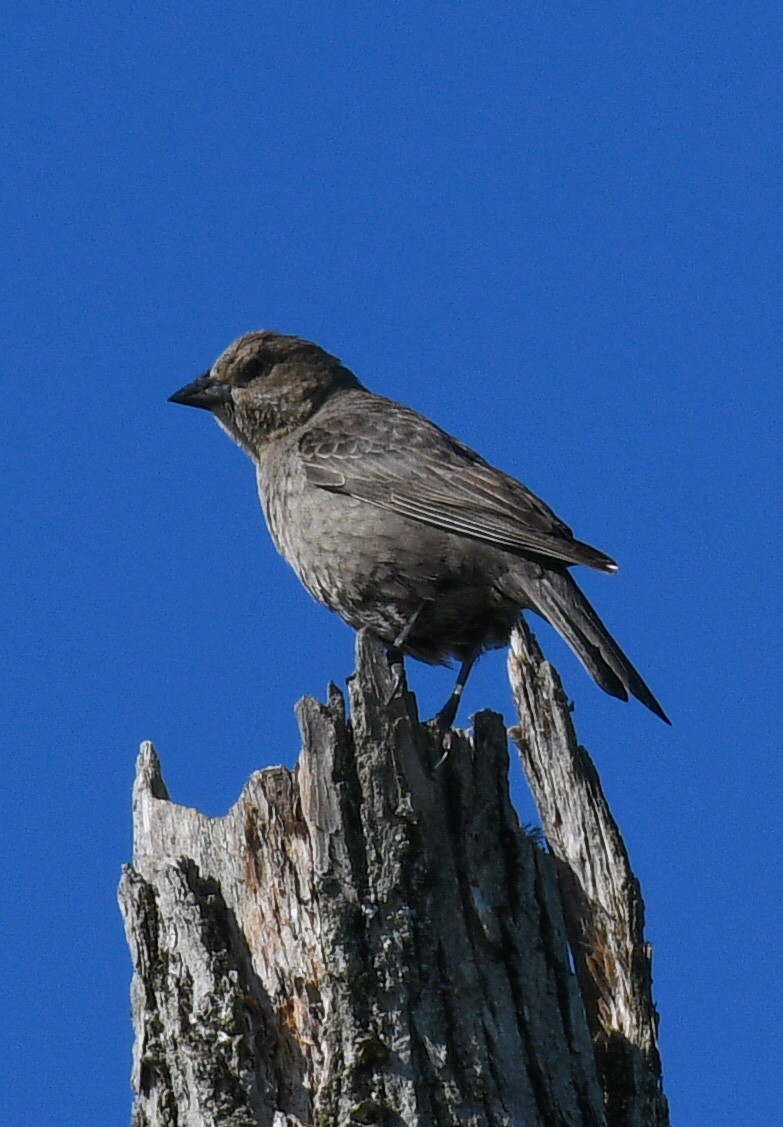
364, 940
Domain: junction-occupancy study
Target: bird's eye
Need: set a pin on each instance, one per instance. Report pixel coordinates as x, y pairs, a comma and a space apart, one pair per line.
250, 370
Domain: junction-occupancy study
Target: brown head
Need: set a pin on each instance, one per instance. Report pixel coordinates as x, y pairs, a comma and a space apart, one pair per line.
265, 385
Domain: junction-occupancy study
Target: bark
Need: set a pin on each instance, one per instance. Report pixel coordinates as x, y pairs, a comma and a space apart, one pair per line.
367, 939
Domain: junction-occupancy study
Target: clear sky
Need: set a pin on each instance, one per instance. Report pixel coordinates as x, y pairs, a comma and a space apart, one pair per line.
555, 229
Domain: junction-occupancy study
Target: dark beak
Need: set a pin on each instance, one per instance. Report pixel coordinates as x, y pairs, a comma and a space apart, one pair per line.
203, 392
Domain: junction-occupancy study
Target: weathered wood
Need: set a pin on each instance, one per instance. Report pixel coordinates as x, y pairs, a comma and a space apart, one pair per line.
602, 900
361, 940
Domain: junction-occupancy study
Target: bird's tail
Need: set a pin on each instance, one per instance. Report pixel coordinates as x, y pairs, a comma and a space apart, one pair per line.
556, 597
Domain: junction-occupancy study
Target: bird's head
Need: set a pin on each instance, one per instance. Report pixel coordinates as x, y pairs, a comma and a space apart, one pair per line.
265, 385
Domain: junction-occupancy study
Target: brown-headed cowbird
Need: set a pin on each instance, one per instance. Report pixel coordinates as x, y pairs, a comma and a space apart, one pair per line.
394, 524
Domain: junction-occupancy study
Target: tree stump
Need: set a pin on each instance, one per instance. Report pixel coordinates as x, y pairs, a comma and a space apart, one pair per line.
369, 940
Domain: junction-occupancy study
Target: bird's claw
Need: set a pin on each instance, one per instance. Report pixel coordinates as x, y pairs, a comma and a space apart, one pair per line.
398, 675
445, 742
441, 724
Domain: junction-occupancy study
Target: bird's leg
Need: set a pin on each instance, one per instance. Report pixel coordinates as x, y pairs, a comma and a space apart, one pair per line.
445, 718
395, 652
403, 635
447, 715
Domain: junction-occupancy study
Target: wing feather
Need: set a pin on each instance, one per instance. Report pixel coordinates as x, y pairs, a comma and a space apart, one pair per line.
389, 456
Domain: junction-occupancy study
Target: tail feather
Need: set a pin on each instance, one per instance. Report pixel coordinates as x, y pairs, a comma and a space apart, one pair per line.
556, 597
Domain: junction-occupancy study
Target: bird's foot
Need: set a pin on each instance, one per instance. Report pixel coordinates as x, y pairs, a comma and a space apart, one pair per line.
395, 653
446, 738
399, 684
448, 714
441, 724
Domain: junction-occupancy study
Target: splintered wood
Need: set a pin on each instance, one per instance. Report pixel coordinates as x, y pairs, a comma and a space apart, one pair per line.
368, 940
601, 898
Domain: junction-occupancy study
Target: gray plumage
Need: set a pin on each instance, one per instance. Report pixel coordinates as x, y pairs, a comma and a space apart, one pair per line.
394, 524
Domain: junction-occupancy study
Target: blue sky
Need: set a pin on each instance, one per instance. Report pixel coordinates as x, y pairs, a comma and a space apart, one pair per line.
556, 230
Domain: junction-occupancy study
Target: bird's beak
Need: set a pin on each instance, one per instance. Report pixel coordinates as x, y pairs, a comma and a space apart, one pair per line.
203, 392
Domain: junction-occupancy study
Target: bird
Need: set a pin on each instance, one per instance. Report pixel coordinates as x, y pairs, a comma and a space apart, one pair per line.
397, 526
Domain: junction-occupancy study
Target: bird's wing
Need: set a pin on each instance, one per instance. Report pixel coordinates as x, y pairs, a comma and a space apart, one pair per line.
387, 455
